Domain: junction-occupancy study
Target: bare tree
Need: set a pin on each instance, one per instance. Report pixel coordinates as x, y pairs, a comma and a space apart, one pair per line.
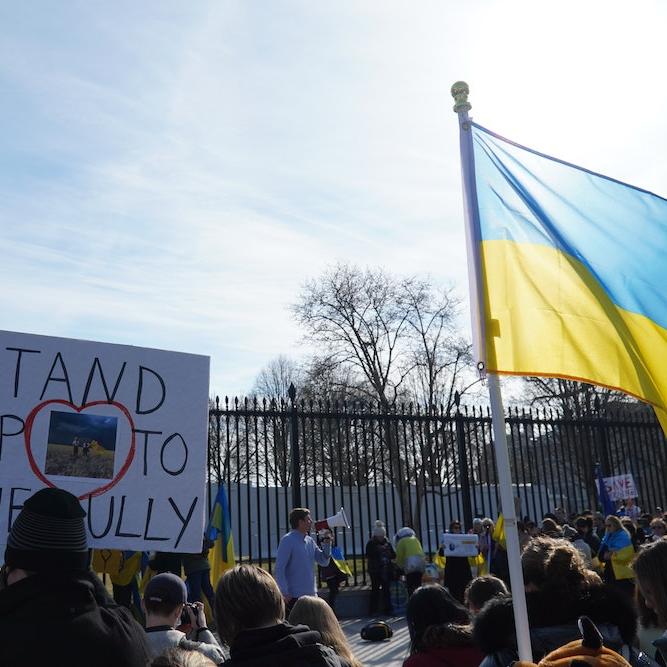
387, 333
274, 380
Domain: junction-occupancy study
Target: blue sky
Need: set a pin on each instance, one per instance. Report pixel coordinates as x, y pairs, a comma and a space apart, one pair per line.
172, 172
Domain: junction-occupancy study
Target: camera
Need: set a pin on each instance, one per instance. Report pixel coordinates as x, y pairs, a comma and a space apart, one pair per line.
185, 618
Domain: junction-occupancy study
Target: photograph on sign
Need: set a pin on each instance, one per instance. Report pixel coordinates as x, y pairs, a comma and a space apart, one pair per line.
81, 445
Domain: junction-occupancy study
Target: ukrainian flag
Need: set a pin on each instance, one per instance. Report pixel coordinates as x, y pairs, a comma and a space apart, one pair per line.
573, 271
219, 532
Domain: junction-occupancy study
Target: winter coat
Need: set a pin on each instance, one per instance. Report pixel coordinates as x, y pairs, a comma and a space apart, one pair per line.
553, 621
456, 656
67, 619
282, 645
380, 556
410, 555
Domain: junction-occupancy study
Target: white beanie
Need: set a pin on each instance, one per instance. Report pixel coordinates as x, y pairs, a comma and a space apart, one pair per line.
379, 530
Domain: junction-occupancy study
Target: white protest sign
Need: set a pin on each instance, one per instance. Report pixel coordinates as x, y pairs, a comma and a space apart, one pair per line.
125, 429
620, 487
457, 544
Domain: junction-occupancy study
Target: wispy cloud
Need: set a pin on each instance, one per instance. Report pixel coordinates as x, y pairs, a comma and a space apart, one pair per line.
171, 174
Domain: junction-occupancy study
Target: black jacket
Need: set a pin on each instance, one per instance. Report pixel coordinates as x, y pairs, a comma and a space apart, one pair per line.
553, 621
380, 556
61, 619
282, 645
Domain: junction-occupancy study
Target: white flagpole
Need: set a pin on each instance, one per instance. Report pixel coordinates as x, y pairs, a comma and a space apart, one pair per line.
460, 93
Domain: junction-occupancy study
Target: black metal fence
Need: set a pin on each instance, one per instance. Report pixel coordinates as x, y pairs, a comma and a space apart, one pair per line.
416, 467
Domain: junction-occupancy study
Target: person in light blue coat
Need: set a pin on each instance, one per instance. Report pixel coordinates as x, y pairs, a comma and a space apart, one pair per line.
297, 554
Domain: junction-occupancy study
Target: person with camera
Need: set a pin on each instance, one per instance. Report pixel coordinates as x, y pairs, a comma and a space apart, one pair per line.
166, 606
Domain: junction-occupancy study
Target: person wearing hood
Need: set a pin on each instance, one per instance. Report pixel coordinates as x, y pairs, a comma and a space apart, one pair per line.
410, 557
250, 613
379, 559
559, 589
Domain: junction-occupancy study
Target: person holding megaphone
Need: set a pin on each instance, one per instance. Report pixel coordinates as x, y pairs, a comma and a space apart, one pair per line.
297, 553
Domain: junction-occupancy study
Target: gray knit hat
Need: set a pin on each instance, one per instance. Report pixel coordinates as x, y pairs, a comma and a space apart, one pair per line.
49, 534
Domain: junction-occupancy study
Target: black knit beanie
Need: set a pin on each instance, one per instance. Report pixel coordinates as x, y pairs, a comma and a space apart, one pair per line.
49, 534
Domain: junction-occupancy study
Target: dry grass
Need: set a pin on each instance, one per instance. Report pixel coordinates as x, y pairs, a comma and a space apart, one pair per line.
98, 463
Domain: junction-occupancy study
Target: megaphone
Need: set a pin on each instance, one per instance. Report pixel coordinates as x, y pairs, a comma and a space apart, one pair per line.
338, 520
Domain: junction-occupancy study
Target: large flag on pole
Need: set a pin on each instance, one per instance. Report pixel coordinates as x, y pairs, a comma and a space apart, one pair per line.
573, 272
219, 532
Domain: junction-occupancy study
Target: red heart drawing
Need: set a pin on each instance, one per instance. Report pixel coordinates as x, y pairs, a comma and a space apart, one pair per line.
35, 468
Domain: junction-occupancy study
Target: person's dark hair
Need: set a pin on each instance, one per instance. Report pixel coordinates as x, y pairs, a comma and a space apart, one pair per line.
178, 657
481, 589
551, 528
584, 522
432, 606
629, 525
647, 616
650, 568
246, 597
556, 564
296, 515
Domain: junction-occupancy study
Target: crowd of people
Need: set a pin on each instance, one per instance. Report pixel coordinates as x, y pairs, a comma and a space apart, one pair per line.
612, 570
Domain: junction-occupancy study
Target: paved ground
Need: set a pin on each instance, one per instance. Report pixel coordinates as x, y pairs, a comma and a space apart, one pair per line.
389, 653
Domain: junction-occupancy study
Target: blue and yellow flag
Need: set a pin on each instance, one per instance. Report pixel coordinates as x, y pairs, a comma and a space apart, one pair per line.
338, 557
498, 535
219, 531
573, 271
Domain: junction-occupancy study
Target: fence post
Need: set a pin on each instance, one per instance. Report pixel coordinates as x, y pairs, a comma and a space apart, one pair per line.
463, 465
603, 447
294, 447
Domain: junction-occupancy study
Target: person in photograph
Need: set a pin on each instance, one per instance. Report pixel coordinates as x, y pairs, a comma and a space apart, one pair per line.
297, 554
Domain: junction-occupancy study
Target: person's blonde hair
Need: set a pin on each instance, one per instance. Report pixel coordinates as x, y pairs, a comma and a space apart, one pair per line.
650, 568
557, 563
246, 597
618, 524
178, 657
317, 615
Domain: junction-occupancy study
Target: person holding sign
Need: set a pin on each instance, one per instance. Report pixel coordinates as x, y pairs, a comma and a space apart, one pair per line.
457, 567
297, 553
53, 609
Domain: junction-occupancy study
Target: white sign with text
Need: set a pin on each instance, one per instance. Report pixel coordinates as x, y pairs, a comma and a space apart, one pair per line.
620, 487
123, 428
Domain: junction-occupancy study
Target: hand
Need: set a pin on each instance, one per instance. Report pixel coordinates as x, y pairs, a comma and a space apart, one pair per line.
197, 616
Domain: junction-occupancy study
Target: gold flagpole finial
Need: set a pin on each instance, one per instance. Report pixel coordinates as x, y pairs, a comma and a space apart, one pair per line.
460, 92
